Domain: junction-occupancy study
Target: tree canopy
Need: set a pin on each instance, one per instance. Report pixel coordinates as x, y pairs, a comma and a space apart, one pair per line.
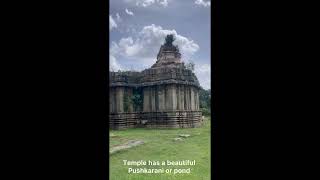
205, 101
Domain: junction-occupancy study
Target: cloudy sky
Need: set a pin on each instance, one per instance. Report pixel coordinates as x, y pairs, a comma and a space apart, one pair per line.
138, 27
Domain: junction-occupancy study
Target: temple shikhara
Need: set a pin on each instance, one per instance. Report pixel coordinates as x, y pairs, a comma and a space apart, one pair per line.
166, 95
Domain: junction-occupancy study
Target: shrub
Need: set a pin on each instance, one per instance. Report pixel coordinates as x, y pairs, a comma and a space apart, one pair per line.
205, 112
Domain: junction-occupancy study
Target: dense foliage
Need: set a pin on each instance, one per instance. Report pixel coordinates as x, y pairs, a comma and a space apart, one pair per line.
205, 101
126, 103
137, 99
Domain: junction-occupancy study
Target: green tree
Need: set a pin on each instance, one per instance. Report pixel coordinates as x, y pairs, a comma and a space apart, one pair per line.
137, 99
205, 101
126, 103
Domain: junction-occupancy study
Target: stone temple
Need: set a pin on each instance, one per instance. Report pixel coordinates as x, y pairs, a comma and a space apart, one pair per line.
163, 96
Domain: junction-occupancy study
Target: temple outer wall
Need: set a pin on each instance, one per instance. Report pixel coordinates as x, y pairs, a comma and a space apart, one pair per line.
170, 97
164, 106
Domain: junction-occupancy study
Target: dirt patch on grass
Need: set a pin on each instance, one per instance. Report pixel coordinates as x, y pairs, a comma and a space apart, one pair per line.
127, 145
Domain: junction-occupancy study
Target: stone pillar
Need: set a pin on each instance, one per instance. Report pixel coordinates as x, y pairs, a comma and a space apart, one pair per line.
111, 100
171, 97
187, 98
178, 96
146, 99
174, 97
196, 99
156, 94
153, 98
168, 100
192, 98
161, 98
114, 100
119, 99
181, 98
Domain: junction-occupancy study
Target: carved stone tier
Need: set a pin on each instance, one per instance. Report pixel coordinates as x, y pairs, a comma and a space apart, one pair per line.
161, 119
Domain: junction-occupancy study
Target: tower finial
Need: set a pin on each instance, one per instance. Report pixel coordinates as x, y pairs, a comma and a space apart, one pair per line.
169, 39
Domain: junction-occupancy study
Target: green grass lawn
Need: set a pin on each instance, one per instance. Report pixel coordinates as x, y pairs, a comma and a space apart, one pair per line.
160, 146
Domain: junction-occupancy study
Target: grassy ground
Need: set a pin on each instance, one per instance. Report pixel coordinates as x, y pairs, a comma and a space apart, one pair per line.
159, 146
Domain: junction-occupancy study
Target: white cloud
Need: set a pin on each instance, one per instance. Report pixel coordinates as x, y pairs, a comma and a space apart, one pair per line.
203, 3
203, 73
112, 23
146, 3
131, 29
129, 12
163, 2
144, 46
118, 17
113, 64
